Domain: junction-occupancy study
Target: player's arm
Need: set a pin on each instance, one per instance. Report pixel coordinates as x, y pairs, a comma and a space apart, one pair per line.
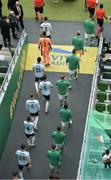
39, 44
38, 106
30, 162
27, 106
51, 85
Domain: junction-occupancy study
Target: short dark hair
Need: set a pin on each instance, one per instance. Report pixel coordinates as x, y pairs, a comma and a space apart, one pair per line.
62, 76
74, 51
59, 128
44, 33
65, 106
23, 146
28, 118
31, 95
14, 173
101, 6
53, 146
44, 77
45, 18
39, 59
107, 151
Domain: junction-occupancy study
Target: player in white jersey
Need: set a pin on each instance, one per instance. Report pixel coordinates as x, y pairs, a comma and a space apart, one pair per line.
29, 132
38, 69
33, 107
23, 159
47, 27
45, 87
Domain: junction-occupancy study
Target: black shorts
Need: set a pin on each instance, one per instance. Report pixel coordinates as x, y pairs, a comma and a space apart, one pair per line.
39, 9
29, 135
100, 22
22, 166
47, 97
37, 79
34, 114
91, 10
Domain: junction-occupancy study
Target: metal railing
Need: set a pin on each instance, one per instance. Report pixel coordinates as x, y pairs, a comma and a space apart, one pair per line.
11, 67
91, 105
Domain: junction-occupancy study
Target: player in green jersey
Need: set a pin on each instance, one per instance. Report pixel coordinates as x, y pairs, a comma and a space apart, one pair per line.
89, 27
73, 64
65, 116
54, 157
78, 43
63, 86
59, 138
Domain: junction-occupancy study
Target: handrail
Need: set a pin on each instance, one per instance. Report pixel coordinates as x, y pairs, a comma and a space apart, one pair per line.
11, 66
91, 105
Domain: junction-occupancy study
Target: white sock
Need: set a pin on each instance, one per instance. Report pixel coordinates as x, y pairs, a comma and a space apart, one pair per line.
36, 121
21, 174
33, 140
28, 142
37, 86
46, 106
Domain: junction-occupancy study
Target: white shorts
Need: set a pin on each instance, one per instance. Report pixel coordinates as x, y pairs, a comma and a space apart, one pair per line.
71, 72
59, 146
62, 97
64, 124
53, 167
88, 36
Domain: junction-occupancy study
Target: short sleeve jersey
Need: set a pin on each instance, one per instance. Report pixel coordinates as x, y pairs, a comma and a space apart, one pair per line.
29, 127
44, 43
73, 62
38, 70
45, 87
38, 3
32, 106
46, 26
100, 13
65, 114
89, 26
63, 86
23, 157
59, 137
54, 157
78, 43
91, 3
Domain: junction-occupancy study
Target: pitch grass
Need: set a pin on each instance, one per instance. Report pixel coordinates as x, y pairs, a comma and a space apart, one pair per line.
65, 10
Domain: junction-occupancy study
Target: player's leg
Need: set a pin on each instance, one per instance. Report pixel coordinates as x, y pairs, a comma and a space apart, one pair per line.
33, 140
47, 98
20, 167
61, 99
28, 140
36, 119
92, 36
41, 18
37, 84
32, 116
36, 12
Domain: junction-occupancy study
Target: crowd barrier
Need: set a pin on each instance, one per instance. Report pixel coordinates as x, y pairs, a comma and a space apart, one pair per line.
10, 88
83, 168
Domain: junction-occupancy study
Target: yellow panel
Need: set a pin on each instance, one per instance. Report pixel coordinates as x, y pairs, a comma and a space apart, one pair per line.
58, 58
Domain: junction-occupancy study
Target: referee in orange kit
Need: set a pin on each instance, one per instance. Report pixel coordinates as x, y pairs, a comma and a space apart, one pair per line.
100, 15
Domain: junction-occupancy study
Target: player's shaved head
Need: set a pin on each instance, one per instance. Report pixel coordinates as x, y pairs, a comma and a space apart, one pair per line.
44, 34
